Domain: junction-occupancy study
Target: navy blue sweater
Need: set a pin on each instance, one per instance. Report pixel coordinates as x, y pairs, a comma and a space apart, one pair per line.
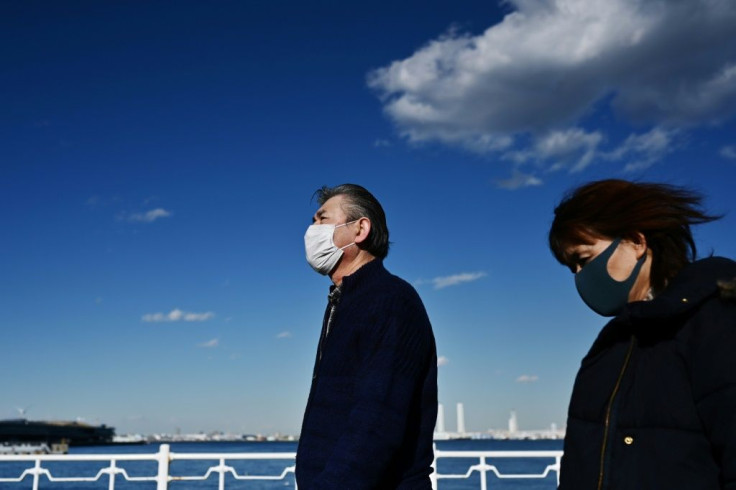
372, 407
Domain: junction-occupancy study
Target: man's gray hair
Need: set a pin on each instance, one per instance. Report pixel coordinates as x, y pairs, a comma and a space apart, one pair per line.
361, 204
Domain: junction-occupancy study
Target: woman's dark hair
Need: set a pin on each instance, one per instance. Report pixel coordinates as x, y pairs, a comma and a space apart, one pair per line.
621, 209
361, 204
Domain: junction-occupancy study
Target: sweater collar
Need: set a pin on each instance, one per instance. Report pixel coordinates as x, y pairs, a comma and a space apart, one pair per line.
363, 274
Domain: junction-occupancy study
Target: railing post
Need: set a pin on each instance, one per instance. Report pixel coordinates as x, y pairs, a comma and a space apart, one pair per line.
433, 475
483, 473
111, 485
36, 474
162, 479
222, 474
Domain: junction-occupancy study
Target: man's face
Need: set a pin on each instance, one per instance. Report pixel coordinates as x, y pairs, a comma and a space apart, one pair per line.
331, 213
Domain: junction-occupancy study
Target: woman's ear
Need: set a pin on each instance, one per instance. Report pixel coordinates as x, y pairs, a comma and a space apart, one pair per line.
640, 244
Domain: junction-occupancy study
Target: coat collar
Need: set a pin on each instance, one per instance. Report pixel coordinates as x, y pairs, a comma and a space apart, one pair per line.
656, 319
694, 284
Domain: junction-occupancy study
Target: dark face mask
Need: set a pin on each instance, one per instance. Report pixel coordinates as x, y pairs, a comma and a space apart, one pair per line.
602, 293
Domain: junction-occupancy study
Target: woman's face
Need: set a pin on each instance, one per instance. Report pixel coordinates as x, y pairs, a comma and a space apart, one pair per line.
620, 265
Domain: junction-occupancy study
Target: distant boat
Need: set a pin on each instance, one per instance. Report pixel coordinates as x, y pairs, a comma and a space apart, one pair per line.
53, 432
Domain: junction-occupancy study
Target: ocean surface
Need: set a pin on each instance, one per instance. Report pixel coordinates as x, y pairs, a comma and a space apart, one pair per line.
189, 468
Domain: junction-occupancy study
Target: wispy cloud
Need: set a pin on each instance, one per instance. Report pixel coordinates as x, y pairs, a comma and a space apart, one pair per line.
729, 152
643, 150
527, 378
442, 361
147, 217
178, 315
381, 143
210, 344
284, 335
454, 280
519, 180
573, 149
527, 85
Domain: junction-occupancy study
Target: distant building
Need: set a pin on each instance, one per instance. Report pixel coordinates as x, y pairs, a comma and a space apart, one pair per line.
512, 432
513, 424
460, 419
440, 419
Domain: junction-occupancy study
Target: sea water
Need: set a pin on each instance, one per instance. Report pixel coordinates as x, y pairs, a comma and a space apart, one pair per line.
275, 467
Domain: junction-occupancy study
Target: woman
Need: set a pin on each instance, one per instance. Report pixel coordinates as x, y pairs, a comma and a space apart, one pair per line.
654, 401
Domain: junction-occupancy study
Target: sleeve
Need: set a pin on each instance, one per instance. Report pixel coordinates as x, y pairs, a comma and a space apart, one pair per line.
389, 381
714, 385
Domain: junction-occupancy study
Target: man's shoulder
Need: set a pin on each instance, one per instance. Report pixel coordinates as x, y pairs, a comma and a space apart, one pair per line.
386, 307
377, 289
389, 284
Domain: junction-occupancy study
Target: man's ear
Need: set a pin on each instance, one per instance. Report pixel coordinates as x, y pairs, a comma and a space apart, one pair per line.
364, 229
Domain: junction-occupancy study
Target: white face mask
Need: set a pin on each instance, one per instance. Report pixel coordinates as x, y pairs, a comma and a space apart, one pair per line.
322, 253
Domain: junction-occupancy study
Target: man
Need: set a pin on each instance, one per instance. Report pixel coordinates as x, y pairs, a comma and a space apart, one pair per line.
372, 406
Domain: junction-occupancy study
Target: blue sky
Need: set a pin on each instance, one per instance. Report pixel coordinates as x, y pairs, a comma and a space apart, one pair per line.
159, 161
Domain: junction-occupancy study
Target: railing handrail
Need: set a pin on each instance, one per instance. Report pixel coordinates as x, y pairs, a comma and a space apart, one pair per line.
551, 453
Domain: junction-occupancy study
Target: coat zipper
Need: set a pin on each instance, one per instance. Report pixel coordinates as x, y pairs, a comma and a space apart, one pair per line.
333, 307
334, 299
610, 407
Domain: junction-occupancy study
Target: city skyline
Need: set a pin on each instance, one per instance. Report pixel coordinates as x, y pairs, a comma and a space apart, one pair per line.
160, 163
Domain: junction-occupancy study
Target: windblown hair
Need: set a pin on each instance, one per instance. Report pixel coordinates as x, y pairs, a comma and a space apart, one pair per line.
361, 204
610, 209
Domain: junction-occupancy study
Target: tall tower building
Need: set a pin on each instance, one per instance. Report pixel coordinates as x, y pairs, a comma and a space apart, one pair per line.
440, 419
460, 419
513, 423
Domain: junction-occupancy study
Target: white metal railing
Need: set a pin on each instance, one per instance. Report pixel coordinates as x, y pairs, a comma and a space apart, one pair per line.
164, 457
483, 467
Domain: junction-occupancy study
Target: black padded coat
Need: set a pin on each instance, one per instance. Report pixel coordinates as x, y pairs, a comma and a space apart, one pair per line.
654, 401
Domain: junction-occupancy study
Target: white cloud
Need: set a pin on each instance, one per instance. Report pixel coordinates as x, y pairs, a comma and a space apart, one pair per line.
519, 180
381, 143
729, 152
527, 378
177, 315
572, 148
454, 280
549, 63
210, 343
284, 335
643, 150
442, 361
149, 216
